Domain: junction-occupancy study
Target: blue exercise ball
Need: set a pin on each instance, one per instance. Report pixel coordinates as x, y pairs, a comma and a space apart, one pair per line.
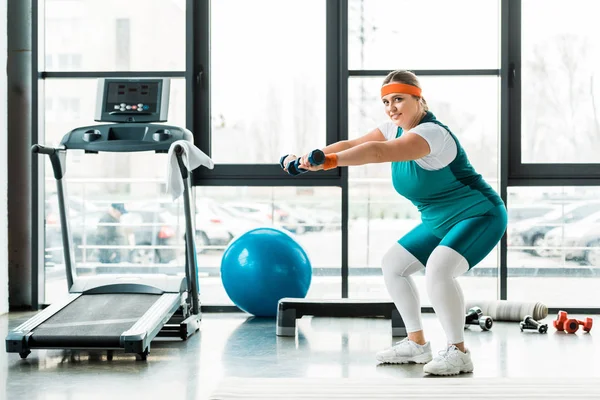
262, 266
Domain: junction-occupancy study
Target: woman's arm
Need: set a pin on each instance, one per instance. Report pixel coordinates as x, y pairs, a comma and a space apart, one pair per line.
373, 136
409, 146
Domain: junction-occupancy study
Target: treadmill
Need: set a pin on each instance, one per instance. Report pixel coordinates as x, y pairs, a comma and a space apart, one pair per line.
122, 312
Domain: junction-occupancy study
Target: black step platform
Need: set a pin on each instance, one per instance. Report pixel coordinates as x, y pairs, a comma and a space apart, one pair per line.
289, 309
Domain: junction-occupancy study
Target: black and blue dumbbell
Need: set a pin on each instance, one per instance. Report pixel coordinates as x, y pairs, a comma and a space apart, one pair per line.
315, 157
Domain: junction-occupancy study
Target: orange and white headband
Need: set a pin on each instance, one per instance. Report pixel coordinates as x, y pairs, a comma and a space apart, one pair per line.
400, 88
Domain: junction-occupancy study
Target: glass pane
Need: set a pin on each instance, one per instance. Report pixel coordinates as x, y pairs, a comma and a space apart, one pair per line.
379, 216
112, 35
560, 87
311, 215
277, 64
96, 181
407, 34
555, 258
118, 219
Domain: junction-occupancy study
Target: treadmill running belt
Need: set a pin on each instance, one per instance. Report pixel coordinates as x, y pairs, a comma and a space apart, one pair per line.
95, 320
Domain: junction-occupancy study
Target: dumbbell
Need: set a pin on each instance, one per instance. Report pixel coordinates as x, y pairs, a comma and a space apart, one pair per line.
571, 325
315, 157
530, 323
475, 317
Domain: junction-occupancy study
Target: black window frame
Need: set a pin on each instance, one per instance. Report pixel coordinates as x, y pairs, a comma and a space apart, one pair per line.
512, 172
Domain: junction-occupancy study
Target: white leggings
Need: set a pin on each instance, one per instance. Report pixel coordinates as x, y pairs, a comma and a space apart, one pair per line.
443, 266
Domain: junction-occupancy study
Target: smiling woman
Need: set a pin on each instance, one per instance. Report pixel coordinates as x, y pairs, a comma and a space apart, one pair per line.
463, 218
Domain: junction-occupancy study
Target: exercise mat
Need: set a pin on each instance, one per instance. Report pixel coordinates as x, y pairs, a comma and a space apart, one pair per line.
505, 310
256, 388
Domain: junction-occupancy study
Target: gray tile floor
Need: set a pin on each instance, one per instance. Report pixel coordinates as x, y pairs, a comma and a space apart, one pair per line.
233, 345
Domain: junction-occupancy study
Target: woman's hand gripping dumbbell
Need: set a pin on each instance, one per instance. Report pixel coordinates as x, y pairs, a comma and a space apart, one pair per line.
292, 164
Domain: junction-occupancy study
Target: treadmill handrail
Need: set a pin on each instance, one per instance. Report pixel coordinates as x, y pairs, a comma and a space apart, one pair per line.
190, 234
58, 162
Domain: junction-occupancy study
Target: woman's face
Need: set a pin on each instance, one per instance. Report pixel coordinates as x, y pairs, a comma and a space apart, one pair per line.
403, 109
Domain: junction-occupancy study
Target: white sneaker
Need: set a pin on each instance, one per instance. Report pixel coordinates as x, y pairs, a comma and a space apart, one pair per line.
451, 361
404, 352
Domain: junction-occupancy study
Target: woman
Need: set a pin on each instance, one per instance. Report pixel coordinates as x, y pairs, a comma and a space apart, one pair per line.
463, 218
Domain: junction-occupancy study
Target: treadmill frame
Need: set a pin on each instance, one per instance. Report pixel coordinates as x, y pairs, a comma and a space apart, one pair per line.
176, 313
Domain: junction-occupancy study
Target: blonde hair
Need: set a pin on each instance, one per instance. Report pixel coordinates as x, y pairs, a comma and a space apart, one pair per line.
408, 78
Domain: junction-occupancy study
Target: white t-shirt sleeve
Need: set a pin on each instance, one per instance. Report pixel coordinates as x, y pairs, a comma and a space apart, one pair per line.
389, 130
441, 144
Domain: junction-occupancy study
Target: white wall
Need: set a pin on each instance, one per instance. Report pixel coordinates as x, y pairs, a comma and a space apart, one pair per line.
3, 166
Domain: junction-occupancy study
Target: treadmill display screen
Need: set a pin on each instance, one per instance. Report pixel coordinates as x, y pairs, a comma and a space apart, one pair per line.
132, 97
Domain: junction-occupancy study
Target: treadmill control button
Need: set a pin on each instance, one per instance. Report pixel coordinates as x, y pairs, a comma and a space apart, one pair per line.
161, 135
91, 135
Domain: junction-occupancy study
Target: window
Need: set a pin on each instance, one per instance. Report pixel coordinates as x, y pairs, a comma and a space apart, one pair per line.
123, 31
68, 108
114, 226
268, 79
268, 98
311, 215
407, 34
559, 251
69, 61
560, 84
123, 45
518, 213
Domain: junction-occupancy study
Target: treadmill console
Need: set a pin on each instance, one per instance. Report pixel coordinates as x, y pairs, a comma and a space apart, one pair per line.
132, 100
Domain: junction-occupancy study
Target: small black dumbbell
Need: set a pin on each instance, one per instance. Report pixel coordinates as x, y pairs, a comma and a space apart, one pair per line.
315, 157
530, 323
475, 317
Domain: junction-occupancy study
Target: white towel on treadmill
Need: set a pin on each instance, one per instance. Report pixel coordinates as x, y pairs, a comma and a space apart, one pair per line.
192, 158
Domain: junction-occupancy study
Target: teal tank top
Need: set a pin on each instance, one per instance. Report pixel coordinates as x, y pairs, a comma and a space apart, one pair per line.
446, 196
